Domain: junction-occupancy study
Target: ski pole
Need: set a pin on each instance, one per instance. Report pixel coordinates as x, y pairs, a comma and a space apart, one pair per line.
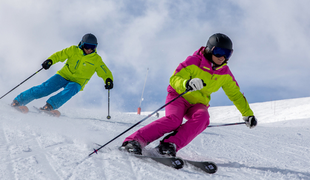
96, 150
22, 82
229, 124
109, 117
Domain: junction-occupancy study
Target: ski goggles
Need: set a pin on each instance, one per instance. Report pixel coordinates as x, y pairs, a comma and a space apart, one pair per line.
219, 52
89, 46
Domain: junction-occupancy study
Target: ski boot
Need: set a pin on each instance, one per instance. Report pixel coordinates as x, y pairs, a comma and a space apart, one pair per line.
15, 104
133, 147
48, 109
166, 149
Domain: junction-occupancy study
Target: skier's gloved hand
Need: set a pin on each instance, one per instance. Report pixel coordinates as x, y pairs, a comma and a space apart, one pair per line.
194, 84
250, 121
108, 83
47, 64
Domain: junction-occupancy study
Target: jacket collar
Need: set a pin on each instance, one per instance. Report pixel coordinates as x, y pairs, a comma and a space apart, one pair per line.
82, 52
206, 61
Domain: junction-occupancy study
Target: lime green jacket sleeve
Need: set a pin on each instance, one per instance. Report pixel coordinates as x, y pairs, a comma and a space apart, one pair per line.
232, 90
80, 68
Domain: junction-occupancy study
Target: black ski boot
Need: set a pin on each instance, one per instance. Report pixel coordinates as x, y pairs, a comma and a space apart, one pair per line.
132, 147
47, 107
167, 149
15, 103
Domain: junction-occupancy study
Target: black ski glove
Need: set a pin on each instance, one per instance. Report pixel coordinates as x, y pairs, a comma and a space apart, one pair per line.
250, 121
47, 64
108, 83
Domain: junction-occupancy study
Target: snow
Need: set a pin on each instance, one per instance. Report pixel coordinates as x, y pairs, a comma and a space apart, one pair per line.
37, 146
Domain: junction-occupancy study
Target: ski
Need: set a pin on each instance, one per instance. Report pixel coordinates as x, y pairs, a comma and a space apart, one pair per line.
178, 163
55, 113
207, 166
174, 162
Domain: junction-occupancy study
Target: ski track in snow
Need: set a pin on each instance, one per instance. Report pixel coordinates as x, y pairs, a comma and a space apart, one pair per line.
37, 146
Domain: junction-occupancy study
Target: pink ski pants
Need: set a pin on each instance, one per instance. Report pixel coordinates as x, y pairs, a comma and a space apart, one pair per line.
197, 117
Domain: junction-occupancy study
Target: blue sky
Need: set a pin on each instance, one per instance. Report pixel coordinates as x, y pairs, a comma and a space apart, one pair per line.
270, 60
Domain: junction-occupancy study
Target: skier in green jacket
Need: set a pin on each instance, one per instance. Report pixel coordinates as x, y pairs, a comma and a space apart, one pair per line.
82, 62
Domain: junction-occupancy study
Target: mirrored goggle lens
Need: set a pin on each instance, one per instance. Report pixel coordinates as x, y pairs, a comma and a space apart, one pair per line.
219, 52
89, 46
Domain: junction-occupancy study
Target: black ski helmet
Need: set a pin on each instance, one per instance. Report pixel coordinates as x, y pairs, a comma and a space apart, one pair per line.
219, 40
89, 39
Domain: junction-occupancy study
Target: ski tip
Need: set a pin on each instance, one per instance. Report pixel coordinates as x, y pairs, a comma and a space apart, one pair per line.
24, 109
207, 166
55, 113
211, 168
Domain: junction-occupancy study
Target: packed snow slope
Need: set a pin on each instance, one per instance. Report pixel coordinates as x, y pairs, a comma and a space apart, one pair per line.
37, 146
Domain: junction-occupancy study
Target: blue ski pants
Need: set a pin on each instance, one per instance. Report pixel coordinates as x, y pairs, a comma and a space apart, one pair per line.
48, 87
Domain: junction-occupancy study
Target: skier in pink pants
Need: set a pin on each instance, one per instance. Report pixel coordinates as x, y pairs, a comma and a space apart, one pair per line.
202, 73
